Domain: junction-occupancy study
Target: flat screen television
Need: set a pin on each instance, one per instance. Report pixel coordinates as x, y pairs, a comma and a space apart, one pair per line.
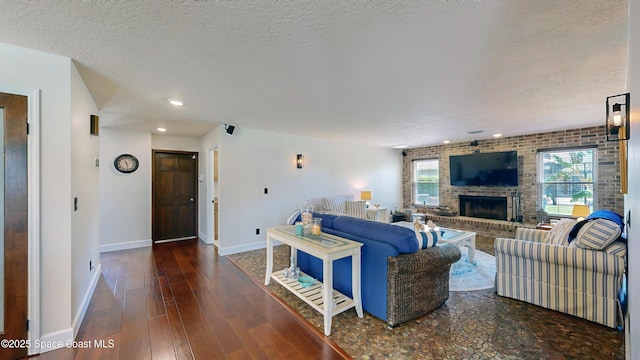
487, 169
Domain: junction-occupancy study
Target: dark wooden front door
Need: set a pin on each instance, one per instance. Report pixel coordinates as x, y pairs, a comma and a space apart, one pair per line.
14, 210
175, 195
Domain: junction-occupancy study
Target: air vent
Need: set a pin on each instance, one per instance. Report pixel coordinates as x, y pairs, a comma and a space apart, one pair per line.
475, 132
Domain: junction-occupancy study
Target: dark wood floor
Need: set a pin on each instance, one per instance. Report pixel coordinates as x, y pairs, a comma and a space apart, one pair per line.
182, 301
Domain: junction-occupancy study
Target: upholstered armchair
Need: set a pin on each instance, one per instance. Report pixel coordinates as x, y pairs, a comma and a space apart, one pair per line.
581, 279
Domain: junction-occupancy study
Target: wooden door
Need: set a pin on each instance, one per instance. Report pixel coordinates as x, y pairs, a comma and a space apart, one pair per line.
14, 210
175, 195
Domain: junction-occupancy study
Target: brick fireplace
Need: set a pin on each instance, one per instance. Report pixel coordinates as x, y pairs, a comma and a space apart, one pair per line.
485, 207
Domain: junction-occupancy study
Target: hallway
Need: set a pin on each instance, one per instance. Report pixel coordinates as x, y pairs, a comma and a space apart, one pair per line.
181, 300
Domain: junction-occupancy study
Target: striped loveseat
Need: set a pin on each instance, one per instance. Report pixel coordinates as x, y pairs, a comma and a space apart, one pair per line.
345, 205
573, 280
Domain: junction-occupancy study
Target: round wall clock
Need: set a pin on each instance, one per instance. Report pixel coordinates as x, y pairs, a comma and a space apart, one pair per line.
126, 163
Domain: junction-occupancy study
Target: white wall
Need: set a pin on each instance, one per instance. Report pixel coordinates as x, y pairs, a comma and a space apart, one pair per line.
175, 143
85, 222
125, 199
251, 160
51, 74
632, 200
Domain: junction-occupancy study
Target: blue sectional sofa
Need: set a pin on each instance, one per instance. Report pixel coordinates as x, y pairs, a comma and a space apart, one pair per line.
400, 282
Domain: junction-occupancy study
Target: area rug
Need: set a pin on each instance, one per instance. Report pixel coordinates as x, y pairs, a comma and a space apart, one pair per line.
470, 325
468, 276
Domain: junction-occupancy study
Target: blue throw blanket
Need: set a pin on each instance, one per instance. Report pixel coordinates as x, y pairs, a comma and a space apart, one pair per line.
600, 214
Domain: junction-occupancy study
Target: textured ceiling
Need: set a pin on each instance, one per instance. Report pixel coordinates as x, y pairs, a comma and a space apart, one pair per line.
377, 72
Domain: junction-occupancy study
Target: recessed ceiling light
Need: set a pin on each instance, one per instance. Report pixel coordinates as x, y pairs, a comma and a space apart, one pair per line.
447, 141
497, 135
162, 129
400, 147
176, 102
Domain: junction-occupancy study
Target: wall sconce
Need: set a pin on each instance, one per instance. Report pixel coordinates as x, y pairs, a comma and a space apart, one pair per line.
94, 124
299, 161
618, 127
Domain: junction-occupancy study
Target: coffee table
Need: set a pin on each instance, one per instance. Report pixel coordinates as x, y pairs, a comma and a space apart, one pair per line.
321, 295
451, 236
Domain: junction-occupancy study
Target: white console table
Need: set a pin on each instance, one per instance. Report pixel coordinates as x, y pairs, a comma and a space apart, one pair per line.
321, 295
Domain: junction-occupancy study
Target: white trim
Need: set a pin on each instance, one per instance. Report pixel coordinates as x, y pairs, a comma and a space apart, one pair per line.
33, 180
204, 238
55, 340
243, 248
77, 321
209, 189
175, 239
126, 245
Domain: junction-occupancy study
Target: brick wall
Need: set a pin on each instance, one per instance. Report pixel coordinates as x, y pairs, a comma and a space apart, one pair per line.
608, 171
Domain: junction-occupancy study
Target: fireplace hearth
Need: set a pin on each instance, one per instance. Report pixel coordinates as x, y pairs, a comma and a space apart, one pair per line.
485, 207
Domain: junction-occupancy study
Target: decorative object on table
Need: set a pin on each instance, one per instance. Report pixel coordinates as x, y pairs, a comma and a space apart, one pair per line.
299, 228
366, 195
417, 224
431, 225
542, 216
316, 227
291, 272
306, 215
306, 281
126, 163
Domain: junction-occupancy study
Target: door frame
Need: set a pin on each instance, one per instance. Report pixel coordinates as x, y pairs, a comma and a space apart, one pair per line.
211, 239
153, 197
33, 186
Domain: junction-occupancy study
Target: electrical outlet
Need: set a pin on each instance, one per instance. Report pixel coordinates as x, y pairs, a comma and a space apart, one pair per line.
258, 231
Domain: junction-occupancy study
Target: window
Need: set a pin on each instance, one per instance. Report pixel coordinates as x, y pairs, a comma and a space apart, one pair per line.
425, 178
566, 177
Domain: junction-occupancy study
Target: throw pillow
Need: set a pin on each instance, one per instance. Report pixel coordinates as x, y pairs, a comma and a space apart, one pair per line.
618, 248
559, 233
427, 238
597, 234
356, 209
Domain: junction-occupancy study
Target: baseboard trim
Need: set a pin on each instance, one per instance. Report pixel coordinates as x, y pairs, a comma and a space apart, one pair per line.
204, 238
126, 245
242, 248
55, 340
77, 321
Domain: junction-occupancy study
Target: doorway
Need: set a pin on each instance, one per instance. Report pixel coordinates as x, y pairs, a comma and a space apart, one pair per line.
174, 195
212, 191
14, 238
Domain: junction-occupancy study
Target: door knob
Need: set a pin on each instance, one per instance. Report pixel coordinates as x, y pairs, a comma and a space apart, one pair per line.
191, 199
